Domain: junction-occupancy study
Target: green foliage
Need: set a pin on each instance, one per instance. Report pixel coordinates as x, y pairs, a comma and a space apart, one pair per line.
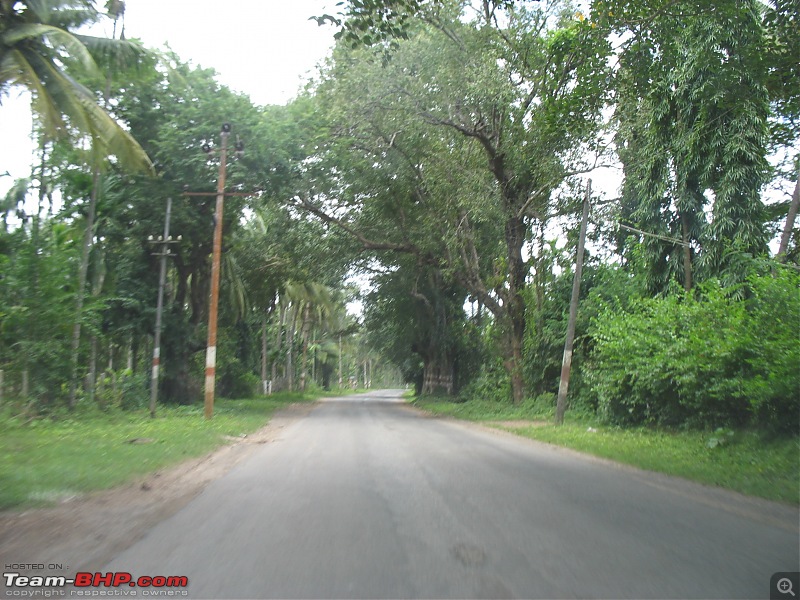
747, 462
490, 407
702, 361
547, 312
693, 114
415, 318
39, 51
490, 382
36, 306
721, 437
123, 390
456, 148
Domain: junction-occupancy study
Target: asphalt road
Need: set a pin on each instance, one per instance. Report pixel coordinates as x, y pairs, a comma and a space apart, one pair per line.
367, 498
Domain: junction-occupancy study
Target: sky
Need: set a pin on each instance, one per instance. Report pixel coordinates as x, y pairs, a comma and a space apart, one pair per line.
264, 48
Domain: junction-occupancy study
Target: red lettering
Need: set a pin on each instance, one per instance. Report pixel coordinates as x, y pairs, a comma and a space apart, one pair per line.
182, 581
120, 578
107, 580
83, 579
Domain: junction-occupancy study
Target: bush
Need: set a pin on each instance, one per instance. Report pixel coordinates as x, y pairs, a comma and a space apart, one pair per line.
122, 389
135, 389
490, 381
702, 362
546, 330
773, 350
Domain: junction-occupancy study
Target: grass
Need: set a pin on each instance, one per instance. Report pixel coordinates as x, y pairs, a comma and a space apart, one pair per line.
746, 461
44, 461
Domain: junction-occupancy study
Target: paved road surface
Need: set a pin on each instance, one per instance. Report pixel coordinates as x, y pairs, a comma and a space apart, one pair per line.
366, 498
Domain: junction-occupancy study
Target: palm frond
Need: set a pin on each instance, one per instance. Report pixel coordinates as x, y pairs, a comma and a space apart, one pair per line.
16, 69
63, 13
15, 196
58, 38
58, 93
123, 54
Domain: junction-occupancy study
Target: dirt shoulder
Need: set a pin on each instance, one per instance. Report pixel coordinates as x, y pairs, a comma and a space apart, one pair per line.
84, 533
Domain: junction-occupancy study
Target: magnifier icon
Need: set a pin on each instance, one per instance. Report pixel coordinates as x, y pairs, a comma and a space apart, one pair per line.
784, 586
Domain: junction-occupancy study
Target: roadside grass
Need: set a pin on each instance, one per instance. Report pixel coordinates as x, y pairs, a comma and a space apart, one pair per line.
749, 462
45, 460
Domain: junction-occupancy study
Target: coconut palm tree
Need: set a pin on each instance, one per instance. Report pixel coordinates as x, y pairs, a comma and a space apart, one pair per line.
40, 51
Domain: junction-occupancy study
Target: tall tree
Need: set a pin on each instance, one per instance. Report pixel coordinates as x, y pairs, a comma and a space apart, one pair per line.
485, 122
692, 110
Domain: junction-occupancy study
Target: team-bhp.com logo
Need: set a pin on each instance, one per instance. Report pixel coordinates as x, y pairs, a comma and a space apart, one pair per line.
95, 580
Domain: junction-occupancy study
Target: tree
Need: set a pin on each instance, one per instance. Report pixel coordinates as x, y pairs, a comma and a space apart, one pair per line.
692, 111
508, 109
39, 51
175, 114
415, 318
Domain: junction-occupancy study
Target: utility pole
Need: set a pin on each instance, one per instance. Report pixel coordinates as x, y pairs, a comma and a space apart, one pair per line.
211, 350
566, 365
213, 304
163, 253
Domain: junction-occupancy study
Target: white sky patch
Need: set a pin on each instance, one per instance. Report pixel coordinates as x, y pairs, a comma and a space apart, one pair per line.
267, 49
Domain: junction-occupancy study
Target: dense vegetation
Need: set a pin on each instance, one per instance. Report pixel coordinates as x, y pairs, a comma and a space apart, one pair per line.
443, 153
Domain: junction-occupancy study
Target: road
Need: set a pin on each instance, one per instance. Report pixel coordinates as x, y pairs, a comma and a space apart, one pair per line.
368, 498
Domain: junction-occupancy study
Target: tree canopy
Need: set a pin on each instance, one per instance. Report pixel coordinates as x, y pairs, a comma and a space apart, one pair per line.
433, 171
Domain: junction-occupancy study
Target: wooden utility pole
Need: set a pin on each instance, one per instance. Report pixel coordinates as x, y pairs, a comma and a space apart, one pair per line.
566, 365
211, 350
213, 304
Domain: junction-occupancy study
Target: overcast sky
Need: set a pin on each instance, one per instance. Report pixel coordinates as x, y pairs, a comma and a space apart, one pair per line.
264, 48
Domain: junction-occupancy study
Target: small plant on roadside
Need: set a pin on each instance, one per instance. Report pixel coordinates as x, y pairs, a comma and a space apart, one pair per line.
721, 437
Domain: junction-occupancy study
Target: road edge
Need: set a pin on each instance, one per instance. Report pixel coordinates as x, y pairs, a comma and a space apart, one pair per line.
769, 512
94, 527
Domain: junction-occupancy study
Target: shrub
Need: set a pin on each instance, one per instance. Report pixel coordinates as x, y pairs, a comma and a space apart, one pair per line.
708, 361
773, 350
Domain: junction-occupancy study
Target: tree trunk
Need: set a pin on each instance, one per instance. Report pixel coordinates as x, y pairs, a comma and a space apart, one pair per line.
687, 255
437, 375
91, 380
83, 270
790, 218
515, 238
278, 342
340, 360
304, 336
289, 350
314, 356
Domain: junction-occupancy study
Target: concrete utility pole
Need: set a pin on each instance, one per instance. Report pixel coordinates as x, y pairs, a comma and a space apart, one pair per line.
566, 365
163, 253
